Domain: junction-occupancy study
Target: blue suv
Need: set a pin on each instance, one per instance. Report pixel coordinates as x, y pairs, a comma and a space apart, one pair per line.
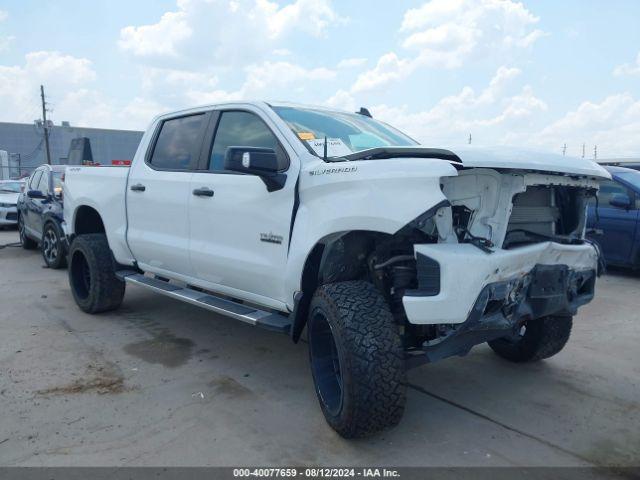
40, 215
615, 226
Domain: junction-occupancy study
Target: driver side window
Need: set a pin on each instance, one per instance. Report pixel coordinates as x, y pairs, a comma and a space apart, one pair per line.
243, 129
43, 184
608, 189
35, 178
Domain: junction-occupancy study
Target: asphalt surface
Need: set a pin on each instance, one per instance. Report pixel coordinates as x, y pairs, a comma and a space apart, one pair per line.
159, 382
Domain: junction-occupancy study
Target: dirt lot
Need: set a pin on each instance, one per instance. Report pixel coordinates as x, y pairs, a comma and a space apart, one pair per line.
163, 383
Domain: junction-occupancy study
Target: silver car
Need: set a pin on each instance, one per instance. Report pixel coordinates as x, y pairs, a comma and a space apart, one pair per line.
9, 192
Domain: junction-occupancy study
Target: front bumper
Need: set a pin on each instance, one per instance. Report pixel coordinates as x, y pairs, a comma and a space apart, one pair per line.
8, 215
515, 286
465, 271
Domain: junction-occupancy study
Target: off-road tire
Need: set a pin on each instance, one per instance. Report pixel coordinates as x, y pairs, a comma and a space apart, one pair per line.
52, 233
92, 279
543, 338
26, 242
370, 353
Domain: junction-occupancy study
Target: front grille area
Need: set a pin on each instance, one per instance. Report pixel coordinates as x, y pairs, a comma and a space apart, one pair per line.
12, 216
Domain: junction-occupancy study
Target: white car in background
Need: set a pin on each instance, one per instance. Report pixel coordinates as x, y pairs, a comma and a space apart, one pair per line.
9, 192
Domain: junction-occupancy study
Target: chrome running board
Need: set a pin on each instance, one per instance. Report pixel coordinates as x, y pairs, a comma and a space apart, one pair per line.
245, 313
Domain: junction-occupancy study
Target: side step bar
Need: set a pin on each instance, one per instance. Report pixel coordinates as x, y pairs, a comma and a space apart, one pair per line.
259, 318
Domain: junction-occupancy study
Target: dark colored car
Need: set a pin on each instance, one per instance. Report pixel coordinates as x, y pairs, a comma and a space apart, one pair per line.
40, 214
616, 228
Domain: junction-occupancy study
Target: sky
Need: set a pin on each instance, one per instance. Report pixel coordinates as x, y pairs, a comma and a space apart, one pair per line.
541, 74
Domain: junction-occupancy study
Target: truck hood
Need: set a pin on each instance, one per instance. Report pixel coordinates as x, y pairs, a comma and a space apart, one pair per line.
506, 157
497, 157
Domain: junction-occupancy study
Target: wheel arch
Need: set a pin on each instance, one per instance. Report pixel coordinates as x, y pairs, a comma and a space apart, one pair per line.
335, 257
87, 219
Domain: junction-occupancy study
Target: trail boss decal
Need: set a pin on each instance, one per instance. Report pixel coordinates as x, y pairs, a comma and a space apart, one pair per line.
271, 238
328, 171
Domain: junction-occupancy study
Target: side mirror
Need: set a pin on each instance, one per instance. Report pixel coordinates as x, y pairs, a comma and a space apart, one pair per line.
36, 194
262, 162
620, 200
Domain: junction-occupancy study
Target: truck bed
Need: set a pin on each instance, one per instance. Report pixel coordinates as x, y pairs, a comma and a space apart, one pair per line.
103, 189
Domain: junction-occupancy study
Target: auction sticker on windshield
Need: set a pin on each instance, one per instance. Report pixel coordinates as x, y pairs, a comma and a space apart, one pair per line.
335, 147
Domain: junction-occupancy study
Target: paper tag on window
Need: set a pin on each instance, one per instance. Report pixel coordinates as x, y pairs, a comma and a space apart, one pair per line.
335, 147
306, 136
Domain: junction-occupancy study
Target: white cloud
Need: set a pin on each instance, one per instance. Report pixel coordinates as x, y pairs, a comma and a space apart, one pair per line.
225, 33
5, 41
160, 39
341, 100
448, 33
20, 84
282, 52
351, 62
71, 94
268, 77
612, 124
389, 68
628, 68
482, 114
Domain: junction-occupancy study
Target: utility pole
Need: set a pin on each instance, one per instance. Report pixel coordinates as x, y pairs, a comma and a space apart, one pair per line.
469, 139
582, 149
595, 152
45, 125
564, 149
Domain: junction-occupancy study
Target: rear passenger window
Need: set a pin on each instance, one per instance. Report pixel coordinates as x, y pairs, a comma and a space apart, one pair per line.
178, 145
243, 129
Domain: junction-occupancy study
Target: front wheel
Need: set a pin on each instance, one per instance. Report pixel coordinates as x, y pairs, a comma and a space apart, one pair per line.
92, 278
52, 247
538, 339
357, 359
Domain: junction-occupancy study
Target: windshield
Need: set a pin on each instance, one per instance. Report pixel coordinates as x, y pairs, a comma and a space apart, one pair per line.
631, 177
345, 132
11, 187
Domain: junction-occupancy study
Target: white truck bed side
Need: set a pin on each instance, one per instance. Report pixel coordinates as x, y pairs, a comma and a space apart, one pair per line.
103, 189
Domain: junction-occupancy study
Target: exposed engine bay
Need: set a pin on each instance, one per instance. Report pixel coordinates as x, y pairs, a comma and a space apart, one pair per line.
511, 209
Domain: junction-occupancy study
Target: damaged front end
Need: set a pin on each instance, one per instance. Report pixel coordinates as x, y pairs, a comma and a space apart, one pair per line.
507, 247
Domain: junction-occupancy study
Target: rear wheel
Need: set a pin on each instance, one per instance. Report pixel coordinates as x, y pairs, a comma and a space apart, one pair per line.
92, 278
357, 359
52, 246
538, 339
25, 241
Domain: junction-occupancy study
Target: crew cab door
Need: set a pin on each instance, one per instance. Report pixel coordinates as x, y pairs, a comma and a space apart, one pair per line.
158, 195
615, 230
240, 231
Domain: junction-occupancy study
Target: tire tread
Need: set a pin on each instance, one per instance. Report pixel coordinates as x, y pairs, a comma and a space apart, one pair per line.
374, 357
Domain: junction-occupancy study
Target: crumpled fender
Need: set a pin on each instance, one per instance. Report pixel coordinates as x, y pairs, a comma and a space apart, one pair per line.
371, 195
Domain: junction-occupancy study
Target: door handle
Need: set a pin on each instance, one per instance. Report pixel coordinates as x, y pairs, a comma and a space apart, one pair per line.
138, 187
203, 192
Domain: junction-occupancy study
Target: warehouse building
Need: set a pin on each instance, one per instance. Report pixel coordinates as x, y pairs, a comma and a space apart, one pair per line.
26, 147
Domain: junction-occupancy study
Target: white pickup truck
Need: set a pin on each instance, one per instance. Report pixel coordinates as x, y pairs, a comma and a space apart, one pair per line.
389, 253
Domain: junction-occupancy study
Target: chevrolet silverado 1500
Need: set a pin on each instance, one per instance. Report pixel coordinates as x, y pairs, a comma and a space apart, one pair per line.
389, 254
